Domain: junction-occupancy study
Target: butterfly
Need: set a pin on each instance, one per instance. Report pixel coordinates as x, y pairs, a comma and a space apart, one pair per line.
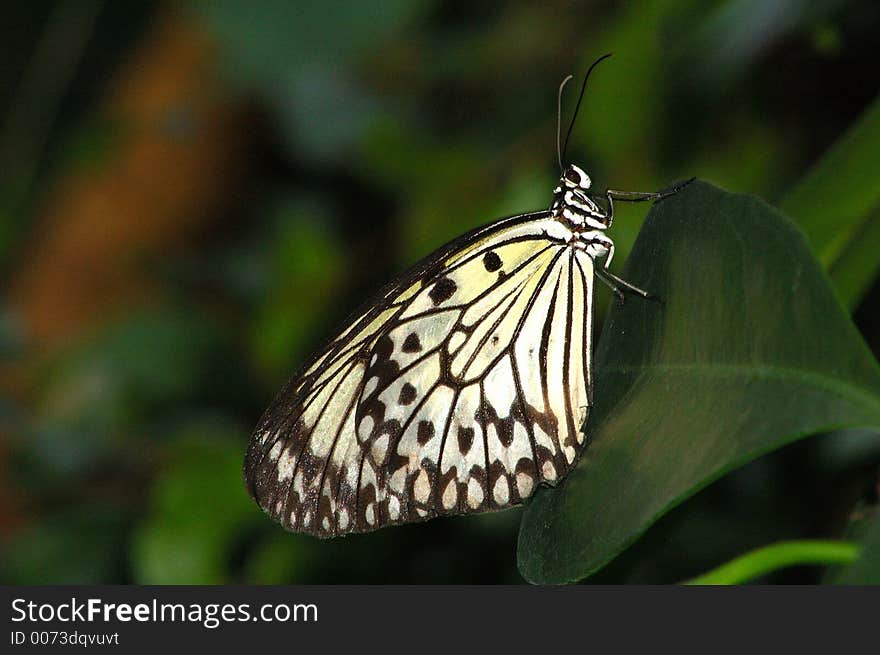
460, 388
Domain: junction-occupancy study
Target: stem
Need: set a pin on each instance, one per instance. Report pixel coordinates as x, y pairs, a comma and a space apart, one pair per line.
776, 556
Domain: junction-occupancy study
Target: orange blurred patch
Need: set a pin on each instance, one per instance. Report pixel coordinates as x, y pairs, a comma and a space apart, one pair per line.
175, 166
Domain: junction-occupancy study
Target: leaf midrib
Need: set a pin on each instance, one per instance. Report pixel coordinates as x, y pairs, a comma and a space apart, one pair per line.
751, 371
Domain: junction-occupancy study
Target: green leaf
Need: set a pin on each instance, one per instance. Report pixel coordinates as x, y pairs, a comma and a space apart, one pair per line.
748, 351
855, 270
836, 202
767, 559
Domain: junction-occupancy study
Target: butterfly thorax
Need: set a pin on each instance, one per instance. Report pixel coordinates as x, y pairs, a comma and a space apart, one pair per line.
572, 204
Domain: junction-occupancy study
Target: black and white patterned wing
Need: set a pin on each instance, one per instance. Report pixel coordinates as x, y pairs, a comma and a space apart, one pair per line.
460, 389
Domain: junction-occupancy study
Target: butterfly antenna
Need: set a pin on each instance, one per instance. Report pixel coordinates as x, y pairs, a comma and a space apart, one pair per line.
559, 122
578, 105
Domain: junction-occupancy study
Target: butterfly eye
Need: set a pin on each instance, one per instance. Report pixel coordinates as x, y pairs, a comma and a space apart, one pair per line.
573, 176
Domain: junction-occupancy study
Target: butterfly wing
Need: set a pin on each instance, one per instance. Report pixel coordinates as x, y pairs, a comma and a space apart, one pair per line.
459, 389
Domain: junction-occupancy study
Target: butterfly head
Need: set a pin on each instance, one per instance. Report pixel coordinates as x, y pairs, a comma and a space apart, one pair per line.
574, 177
572, 204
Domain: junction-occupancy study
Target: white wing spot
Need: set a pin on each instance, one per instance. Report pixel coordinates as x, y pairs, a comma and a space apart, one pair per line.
548, 470
450, 495
421, 512
422, 487
276, 450
398, 479
325, 523
370, 384
380, 447
393, 508
524, 484
370, 514
501, 491
570, 452
285, 467
474, 493
343, 519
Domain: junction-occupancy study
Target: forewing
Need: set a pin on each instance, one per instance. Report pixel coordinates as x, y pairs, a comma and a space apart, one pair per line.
460, 389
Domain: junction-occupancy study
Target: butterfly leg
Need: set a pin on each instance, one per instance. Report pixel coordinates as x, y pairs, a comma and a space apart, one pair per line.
640, 196
618, 293
619, 286
599, 245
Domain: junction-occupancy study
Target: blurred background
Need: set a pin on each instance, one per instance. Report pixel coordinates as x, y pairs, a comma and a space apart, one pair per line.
193, 194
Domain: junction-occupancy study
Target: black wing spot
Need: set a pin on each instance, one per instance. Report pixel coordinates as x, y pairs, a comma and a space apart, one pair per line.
407, 394
384, 347
443, 290
425, 432
412, 344
505, 434
465, 440
492, 261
